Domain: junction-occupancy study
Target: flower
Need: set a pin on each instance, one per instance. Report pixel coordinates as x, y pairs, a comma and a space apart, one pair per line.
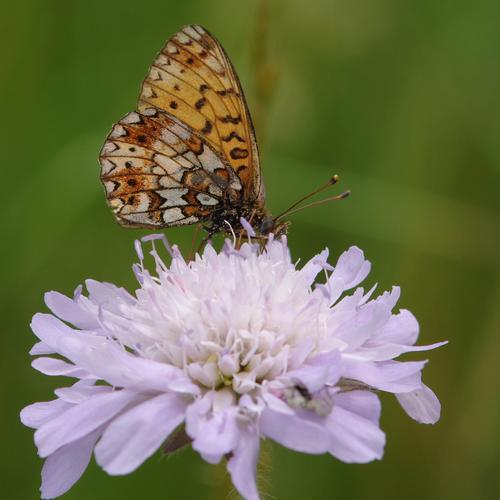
220, 352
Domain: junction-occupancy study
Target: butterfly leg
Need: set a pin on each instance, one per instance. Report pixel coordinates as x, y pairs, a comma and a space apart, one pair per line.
193, 242
240, 238
204, 241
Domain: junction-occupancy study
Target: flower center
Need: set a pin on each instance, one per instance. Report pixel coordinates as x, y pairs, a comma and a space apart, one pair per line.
234, 319
241, 359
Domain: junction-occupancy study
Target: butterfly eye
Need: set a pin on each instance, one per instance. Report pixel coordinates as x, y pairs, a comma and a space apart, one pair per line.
267, 225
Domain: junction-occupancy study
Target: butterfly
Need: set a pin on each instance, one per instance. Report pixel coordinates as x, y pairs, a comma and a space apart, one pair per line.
188, 153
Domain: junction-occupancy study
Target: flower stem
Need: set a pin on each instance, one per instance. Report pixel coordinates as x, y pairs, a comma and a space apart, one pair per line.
265, 74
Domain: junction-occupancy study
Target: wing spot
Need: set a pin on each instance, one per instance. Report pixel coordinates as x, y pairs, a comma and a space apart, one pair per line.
107, 146
207, 128
176, 87
233, 135
190, 60
173, 104
206, 199
128, 164
204, 87
226, 92
203, 53
142, 138
131, 182
200, 103
231, 119
238, 153
131, 149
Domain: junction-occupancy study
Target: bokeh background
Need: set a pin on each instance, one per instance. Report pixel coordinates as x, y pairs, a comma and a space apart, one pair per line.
400, 97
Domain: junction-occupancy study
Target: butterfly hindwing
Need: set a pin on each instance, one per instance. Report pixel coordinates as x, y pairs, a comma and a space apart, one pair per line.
157, 172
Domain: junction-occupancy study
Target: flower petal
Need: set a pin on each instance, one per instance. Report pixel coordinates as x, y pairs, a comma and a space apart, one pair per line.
384, 352
81, 420
214, 433
314, 266
354, 431
321, 370
107, 360
421, 405
369, 318
81, 391
243, 463
402, 328
58, 367
296, 433
41, 348
49, 330
363, 403
390, 376
136, 434
70, 310
351, 269
276, 404
109, 295
62, 469
37, 414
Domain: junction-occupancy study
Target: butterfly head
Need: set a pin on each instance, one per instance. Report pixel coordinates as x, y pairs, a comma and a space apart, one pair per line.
266, 225
270, 224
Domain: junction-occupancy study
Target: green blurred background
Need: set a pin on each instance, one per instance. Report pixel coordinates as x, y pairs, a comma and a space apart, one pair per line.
399, 97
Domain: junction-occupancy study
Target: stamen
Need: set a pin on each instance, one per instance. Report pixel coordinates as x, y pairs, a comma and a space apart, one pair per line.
232, 232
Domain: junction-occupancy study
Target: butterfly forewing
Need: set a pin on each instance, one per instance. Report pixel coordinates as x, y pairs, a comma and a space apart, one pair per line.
193, 79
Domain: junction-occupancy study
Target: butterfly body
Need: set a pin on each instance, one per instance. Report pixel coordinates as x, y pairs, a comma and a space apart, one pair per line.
188, 154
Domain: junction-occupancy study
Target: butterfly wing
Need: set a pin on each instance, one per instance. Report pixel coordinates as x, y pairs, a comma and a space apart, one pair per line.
193, 79
157, 172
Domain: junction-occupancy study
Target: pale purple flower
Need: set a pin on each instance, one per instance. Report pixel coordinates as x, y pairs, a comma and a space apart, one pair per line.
221, 352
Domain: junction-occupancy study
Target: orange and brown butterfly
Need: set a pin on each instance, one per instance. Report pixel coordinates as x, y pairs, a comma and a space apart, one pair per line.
188, 154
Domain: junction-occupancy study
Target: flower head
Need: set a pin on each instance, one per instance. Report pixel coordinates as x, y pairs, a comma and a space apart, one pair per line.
220, 352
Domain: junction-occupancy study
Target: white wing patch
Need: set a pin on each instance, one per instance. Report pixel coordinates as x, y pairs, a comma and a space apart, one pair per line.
205, 199
173, 197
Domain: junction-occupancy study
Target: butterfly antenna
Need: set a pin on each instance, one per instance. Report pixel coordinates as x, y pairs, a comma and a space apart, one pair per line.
340, 196
331, 182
